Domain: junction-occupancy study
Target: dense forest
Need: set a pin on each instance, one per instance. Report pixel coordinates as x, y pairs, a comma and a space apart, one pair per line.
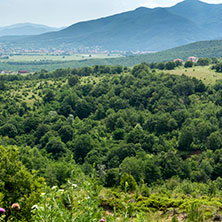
110, 143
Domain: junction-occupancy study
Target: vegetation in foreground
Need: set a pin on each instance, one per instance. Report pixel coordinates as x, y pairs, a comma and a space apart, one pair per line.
110, 142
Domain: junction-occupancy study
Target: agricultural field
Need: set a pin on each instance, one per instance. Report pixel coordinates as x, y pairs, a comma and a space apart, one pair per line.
51, 57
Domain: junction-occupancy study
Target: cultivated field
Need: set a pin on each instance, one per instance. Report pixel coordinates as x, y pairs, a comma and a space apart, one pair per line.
51, 57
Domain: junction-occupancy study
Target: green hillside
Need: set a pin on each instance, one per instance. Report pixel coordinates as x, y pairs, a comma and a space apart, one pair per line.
110, 143
206, 49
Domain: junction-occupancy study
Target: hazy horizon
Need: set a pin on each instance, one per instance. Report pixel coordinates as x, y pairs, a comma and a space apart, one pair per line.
61, 14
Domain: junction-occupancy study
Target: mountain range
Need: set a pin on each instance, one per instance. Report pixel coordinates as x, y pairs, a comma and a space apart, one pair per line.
23, 29
143, 29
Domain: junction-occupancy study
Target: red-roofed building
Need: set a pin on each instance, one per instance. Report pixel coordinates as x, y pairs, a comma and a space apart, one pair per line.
179, 60
193, 59
23, 71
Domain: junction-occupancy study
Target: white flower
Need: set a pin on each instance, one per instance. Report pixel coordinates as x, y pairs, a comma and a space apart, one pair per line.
35, 207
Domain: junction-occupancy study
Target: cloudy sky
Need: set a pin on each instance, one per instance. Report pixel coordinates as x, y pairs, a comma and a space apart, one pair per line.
60, 13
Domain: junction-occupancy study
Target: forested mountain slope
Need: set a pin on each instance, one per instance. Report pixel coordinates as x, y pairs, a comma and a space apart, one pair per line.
145, 29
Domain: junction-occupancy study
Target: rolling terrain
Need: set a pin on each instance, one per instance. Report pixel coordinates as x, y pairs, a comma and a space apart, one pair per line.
207, 49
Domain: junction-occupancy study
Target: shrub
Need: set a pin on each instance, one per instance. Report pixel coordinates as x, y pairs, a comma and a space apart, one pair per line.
127, 183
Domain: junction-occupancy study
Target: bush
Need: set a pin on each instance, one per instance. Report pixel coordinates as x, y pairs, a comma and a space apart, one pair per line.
188, 64
17, 185
127, 183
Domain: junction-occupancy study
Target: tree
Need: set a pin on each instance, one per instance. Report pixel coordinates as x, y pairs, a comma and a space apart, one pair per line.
133, 166
2, 85
160, 66
214, 141
152, 171
203, 62
81, 146
188, 64
41, 130
66, 133
8, 130
112, 177
178, 63
118, 134
73, 80
170, 164
30, 123
49, 96
218, 67
137, 69
170, 65
186, 138
56, 148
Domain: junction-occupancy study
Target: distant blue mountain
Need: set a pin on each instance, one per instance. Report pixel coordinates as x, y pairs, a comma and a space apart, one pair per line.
142, 29
22, 29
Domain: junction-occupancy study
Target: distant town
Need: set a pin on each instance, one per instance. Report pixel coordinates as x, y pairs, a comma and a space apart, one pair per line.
5, 51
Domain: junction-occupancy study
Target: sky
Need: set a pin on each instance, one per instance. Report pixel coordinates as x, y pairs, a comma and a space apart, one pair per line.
60, 13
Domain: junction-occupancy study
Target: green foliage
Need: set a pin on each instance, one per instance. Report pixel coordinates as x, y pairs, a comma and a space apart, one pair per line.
188, 64
170, 65
127, 182
77, 201
56, 148
194, 215
217, 67
17, 185
8, 130
112, 177
73, 80
203, 62
49, 96
159, 131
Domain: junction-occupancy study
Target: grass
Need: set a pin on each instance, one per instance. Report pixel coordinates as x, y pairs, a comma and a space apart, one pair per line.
204, 73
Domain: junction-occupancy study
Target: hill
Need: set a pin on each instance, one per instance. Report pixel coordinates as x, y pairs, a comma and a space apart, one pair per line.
208, 49
144, 28
22, 29
112, 143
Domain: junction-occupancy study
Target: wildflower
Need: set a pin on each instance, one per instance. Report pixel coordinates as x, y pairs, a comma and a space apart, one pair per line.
2, 210
54, 187
102, 220
15, 206
74, 185
35, 207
